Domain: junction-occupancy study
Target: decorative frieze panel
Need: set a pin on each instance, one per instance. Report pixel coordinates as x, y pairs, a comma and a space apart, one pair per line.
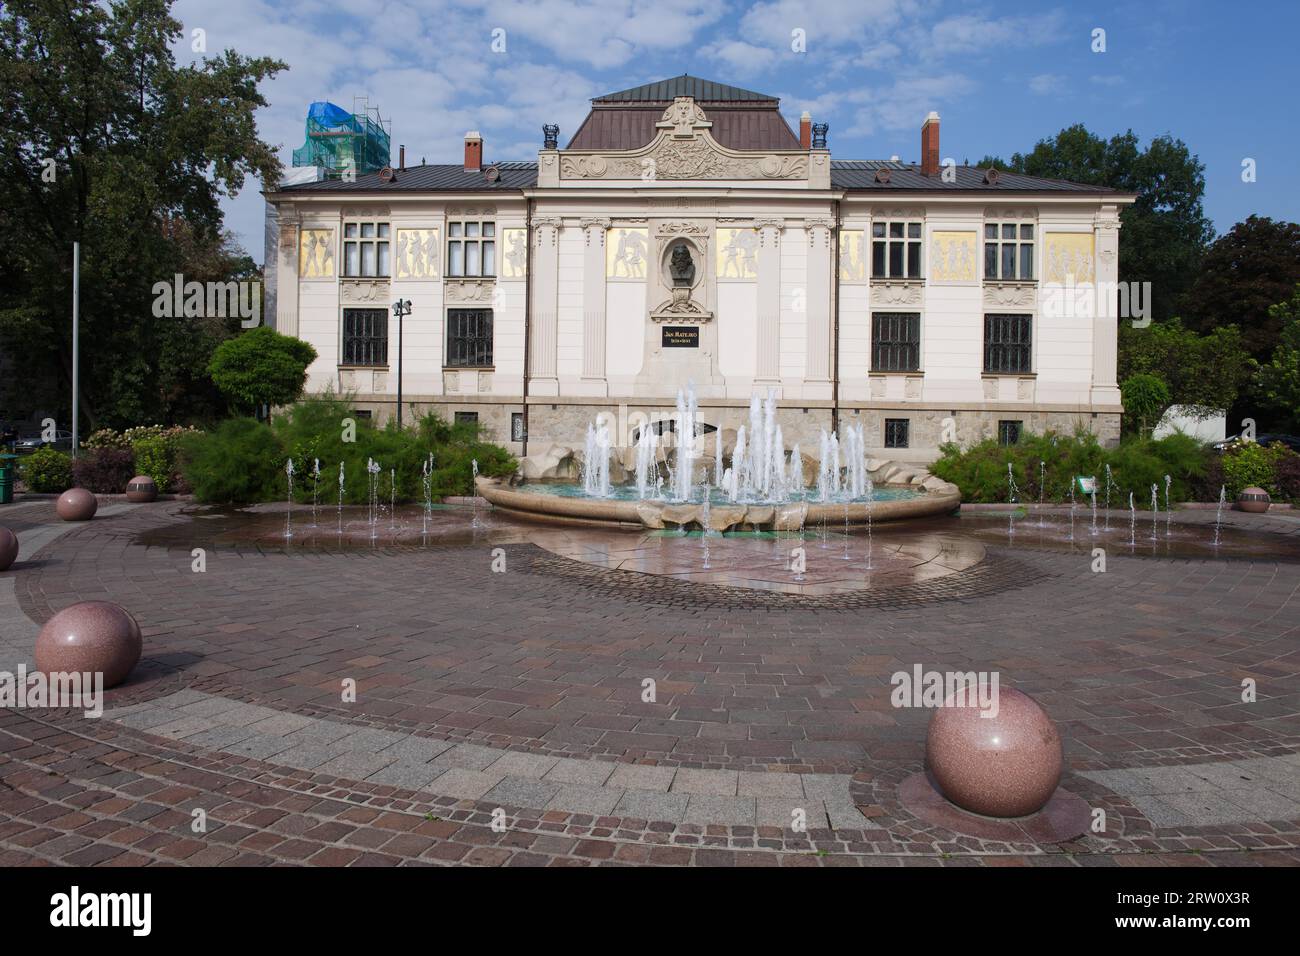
514, 253
953, 256
737, 253
626, 253
471, 291
316, 254
1010, 295
364, 291
1068, 257
884, 292
853, 252
418, 253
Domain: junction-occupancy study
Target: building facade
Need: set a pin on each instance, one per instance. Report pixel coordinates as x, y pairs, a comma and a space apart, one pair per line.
686, 235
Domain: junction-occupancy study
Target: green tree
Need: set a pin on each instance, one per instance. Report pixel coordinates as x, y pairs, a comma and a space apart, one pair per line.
1279, 380
1146, 397
107, 142
1165, 230
261, 367
1247, 271
1206, 372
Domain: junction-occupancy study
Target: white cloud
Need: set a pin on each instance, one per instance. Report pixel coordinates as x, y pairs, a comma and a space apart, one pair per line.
742, 59
972, 34
1046, 83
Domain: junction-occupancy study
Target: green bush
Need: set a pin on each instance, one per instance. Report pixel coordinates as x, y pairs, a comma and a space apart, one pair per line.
1249, 463
314, 430
46, 470
1145, 399
981, 470
152, 458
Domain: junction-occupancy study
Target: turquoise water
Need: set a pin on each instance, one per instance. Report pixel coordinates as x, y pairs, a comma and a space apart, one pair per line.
716, 496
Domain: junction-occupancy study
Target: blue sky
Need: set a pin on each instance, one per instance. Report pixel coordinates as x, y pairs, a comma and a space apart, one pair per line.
1002, 75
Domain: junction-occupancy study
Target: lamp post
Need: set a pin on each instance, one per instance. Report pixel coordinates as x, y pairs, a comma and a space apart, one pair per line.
401, 309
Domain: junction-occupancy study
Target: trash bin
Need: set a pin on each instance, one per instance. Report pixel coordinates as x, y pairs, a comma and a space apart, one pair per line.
8, 465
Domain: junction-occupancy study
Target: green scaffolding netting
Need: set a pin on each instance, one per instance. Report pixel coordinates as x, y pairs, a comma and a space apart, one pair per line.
338, 140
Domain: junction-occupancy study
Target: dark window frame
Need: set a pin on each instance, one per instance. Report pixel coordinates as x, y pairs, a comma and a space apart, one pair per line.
897, 249
481, 245
895, 341
365, 338
896, 429
1010, 430
469, 338
1008, 343
1018, 244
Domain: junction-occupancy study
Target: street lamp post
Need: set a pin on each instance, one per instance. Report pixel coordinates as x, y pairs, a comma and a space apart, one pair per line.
401, 309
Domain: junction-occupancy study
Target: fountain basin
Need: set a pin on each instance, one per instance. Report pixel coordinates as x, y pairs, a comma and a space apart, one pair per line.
921, 496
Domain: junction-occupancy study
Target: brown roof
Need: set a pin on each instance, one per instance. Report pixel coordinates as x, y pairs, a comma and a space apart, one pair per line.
630, 127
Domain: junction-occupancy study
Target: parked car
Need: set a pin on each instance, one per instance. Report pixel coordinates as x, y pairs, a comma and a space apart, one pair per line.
29, 443
1291, 441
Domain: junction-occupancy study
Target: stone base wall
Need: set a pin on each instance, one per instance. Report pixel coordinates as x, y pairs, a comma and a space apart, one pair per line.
564, 422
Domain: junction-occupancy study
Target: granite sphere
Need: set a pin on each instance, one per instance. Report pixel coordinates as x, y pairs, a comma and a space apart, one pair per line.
1253, 500
1003, 762
8, 548
76, 504
141, 489
94, 637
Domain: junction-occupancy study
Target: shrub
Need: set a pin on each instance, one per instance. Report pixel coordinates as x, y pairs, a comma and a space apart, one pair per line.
981, 470
1287, 478
1249, 463
46, 470
312, 430
152, 459
1145, 399
261, 367
236, 463
106, 438
104, 470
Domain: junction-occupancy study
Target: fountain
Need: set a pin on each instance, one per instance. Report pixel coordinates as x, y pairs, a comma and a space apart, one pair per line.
1132, 521
1093, 491
1108, 487
372, 471
1218, 514
761, 488
1168, 511
340, 498
1072, 503
1013, 497
1155, 511
427, 481
288, 513
315, 490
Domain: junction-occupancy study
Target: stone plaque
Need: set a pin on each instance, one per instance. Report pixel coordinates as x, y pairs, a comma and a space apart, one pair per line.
681, 336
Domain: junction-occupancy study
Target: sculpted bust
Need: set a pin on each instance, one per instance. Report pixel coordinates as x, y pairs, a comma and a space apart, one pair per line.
682, 267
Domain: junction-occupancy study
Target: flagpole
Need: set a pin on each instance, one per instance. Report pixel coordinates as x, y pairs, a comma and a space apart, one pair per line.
76, 342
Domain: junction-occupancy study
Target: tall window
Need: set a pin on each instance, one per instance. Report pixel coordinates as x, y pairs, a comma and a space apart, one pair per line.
469, 338
365, 248
1008, 250
1009, 432
471, 249
895, 341
896, 250
1007, 343
365, 337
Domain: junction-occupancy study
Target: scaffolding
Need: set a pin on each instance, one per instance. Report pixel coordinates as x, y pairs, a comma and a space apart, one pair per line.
338, 141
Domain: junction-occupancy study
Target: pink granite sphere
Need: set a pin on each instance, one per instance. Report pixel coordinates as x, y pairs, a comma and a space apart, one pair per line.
76, 504
94, 637
141, 489
8, 548
1006, 765
1253, 500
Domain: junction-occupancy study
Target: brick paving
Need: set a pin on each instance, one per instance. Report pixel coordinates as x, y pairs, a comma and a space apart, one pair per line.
542, 670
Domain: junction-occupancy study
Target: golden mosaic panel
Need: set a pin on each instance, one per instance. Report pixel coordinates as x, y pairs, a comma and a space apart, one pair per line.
853, 255
418, 253
1068, 256
316, 253
953, 256
627, 253
737, 253
514, 253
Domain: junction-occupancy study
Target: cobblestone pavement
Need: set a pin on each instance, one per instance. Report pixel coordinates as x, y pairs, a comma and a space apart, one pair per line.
521, 692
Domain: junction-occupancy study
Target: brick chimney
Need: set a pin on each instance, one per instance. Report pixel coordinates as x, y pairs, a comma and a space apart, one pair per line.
805, 130
474, 151
930, 145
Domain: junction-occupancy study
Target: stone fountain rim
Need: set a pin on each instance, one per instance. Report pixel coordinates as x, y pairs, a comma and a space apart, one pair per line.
940, 498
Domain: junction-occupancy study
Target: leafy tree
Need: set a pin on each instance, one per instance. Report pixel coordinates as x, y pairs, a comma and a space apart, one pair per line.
1146, 397
1279, 380
1247, 271
1165, 232
261, 367
107, 142
1206, 372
